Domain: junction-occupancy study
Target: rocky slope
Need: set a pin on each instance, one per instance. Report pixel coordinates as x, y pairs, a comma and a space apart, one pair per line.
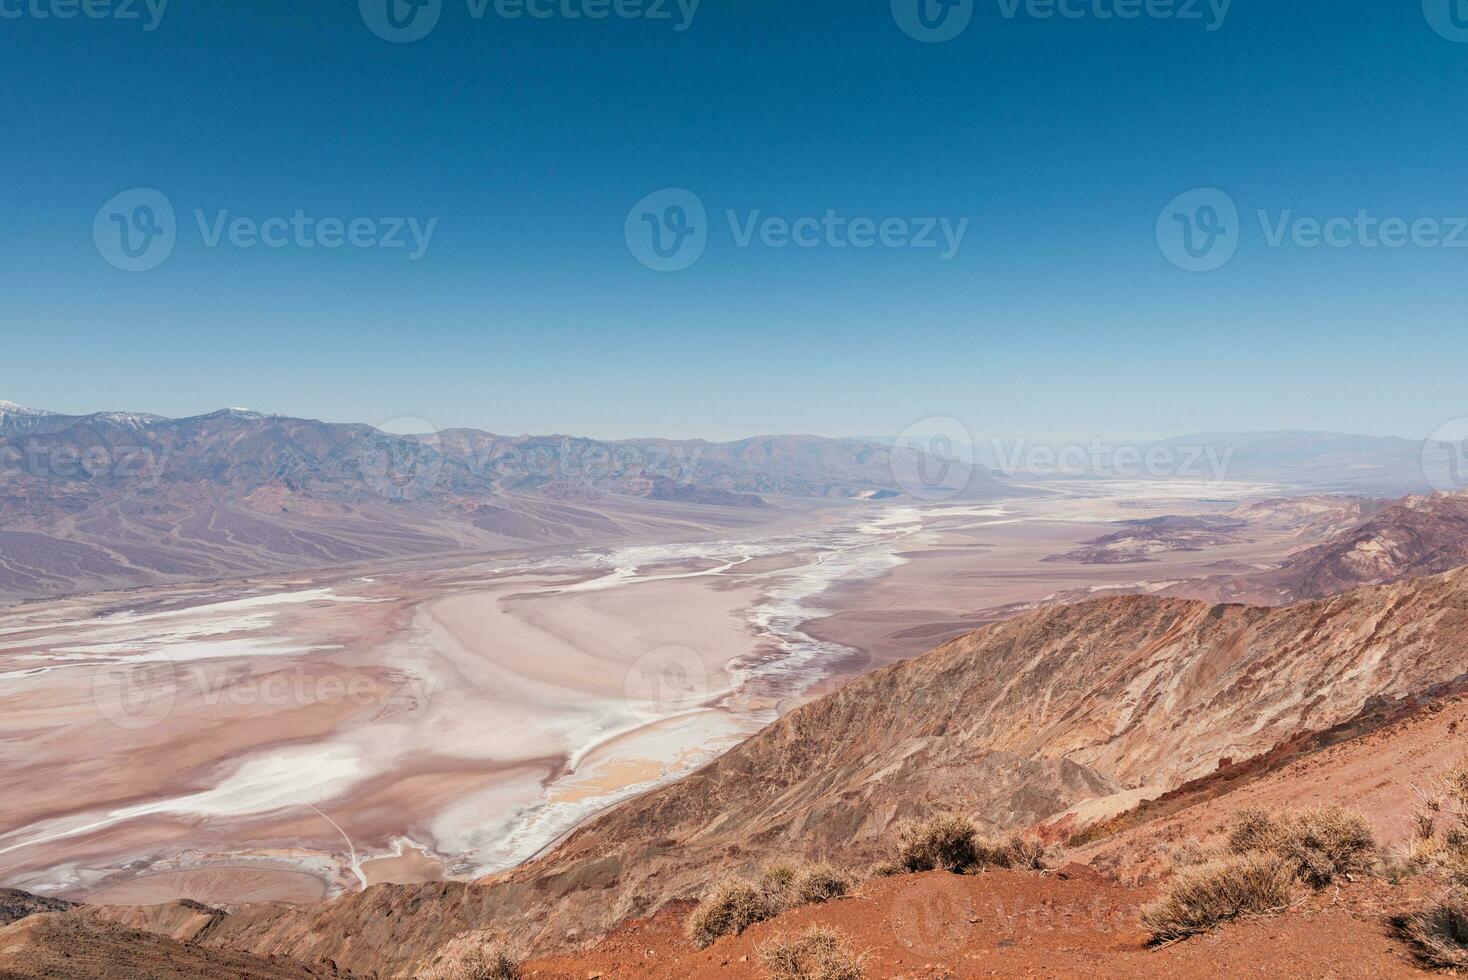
1013, 723
16, 905
75, 947
1413, 537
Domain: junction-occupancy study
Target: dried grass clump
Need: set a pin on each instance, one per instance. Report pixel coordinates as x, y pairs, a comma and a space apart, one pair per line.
818, 883
1323, 844
471, 957
950, 843
729, 908
775, 881
1440, 839
816, 954
941, 843
1201, 898
1017, 851
1438, 934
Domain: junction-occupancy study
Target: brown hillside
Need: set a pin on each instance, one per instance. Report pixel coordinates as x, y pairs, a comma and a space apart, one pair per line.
1013, 723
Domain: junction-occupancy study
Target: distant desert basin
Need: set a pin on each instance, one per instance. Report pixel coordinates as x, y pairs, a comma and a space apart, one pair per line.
292, 737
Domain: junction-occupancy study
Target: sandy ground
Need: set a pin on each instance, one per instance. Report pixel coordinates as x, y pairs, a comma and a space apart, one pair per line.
283, 738
964, 571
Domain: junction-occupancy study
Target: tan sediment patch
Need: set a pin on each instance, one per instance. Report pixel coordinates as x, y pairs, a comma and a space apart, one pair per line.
410, 867
615, 775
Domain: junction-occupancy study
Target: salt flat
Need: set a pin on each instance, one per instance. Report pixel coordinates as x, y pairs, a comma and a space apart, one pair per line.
453, 722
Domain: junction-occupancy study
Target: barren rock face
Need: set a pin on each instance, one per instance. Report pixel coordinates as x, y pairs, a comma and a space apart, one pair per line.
1013, 723
1417, 536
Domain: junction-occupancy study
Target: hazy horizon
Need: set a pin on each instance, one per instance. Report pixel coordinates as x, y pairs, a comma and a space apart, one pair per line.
980, 436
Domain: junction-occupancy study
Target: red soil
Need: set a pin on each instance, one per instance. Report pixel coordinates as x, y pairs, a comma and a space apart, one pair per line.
1068, 923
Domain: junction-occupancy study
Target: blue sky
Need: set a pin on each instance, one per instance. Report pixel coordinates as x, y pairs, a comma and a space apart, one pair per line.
528, 141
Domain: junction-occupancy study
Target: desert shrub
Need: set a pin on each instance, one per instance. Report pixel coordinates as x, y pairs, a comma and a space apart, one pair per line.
775, 881
1200, 898
1438, 933
886, 869
949, 843
1254, 829
818, 883
1017, 851
941, 843
729, 908
1321, 844
1440, 838
816, 954
471, 959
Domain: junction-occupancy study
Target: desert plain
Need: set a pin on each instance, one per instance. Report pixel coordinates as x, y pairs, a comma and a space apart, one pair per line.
286, 738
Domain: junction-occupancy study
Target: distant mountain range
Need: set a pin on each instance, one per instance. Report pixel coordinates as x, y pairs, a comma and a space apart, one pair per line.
118, 499
122, 499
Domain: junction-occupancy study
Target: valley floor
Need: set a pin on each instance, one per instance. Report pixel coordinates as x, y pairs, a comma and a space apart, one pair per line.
287, 738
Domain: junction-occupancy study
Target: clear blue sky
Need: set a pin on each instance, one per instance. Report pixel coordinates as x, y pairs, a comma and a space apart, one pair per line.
529, 141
